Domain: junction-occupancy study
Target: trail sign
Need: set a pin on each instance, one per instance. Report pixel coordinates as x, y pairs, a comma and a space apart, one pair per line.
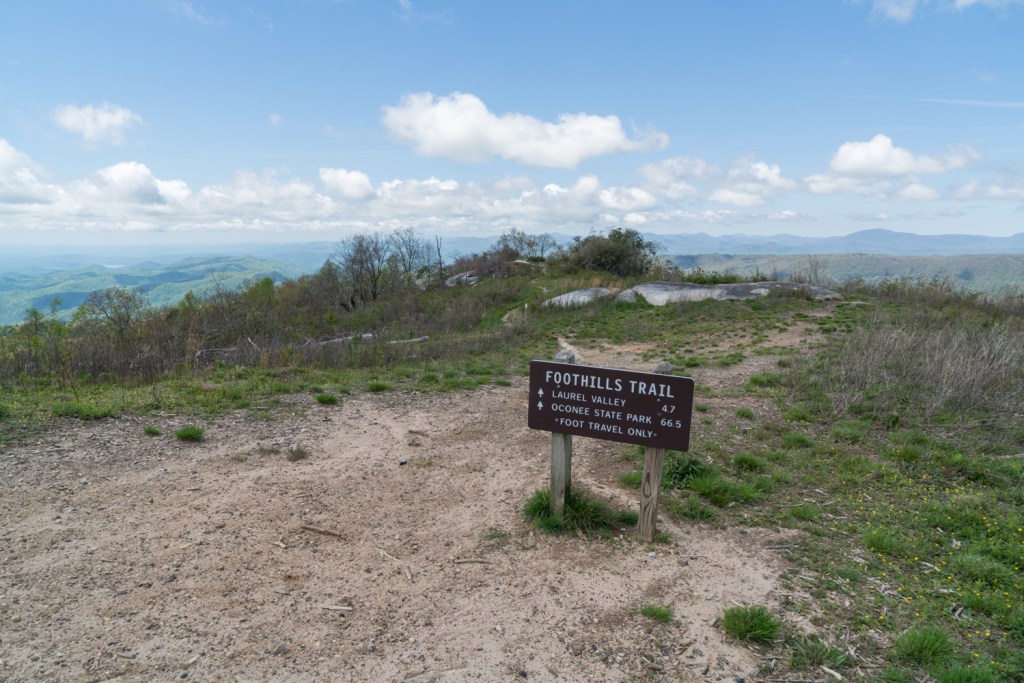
641, 408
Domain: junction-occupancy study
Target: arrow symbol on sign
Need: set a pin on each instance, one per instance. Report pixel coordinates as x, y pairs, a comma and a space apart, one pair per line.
540, 406
540, 392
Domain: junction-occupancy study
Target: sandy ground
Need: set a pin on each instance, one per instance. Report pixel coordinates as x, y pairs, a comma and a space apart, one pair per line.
395, 552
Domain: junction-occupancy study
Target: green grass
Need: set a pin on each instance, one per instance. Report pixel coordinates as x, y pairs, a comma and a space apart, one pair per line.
327, 399
925, 645
745, 413
748, 462
806, 512
377, 386
658, 613
811, 653
582, 512
190, 433
150, 430
720, 491
751, 624
885, 542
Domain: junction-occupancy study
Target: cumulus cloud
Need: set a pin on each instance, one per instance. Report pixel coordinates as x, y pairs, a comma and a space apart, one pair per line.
461, 127
348, 184
97, 124
19, 179
627, 198
917, 191
129, 182
749, 183
879, 157
672, 177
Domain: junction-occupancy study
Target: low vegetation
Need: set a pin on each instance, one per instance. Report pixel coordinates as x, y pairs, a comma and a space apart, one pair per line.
889, 445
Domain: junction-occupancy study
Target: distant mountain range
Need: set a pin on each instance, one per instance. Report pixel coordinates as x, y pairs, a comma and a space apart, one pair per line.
164, 284
863, 242
33, 276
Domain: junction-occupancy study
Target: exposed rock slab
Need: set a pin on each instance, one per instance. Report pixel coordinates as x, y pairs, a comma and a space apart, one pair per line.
578, 297
661, 293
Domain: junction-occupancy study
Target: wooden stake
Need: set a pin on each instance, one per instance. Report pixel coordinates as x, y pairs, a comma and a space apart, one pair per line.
561, 455
650, 484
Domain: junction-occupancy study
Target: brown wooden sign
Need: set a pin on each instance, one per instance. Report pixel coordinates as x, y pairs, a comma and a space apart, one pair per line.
616, 405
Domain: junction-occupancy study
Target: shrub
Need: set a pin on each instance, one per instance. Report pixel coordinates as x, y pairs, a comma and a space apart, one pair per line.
5, 411
191, 433
751, 624
622, 252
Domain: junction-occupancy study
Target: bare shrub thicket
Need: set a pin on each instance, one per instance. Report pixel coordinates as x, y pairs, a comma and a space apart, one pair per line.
362, 307
934, 351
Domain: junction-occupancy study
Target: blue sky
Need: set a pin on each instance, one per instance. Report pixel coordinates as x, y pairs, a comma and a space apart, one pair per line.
149, 120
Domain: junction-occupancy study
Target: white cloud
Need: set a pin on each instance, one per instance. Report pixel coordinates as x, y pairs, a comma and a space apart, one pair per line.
97, 123
460, 126
1005, 189
917, 191
879, 157
627, 198
19, 179
669, 176
902, 11
896, 10
274, 120
348, 184
749, 183
827, 183
128, 182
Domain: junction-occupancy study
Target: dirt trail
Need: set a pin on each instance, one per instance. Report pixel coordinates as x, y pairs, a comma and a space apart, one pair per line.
134, 558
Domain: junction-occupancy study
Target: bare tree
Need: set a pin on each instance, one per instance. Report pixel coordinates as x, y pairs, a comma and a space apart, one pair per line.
409, 251
545, 243
363, 260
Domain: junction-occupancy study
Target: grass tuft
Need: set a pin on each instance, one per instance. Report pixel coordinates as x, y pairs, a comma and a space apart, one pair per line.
662, 615
582, 512
815, 652
926, 645
150, 430
190, 433
296, 453
327, 399
751, 624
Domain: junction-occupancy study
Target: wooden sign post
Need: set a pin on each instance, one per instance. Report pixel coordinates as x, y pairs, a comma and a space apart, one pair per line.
648, 409
561, 455
650, 484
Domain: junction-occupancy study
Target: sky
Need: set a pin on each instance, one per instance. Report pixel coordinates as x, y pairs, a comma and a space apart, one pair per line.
154, 121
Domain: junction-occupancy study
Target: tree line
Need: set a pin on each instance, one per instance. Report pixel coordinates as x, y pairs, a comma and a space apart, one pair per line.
384, 286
